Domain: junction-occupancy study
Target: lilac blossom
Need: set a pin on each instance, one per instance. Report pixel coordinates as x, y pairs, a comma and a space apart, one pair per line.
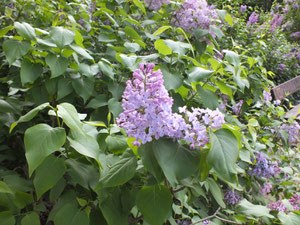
231, 197
155, 4
278, 206
293, 130
253, 19
267, 96
276, 102
264, 167
148, 112
266, 188
276, 22
237, 107
295, 35
281, 67
295, 201
286, 9
195, 14
243, 8
205, 222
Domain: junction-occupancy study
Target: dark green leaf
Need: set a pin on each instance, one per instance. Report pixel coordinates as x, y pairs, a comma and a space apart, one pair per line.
30, 71
182, 162
116, 143
223, 154
48, 174
14, 49
197, 74
115, 107
121, 172
62, 36
155, 203
31, 219
216, 192
40, 141
7, 218
70, 214
209, 98
58, 65
172, 79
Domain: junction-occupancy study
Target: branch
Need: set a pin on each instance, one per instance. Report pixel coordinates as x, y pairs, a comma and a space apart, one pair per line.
178, 189
215, 216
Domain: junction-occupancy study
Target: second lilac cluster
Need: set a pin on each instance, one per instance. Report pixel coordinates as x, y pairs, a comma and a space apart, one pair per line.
231, 197
155, 4
293, 129
195, 14
264, 167
148, 112
295, 201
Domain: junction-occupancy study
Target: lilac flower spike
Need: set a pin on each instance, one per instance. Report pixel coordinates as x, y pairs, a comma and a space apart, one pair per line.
267, 96
243, 8
231, 197
148, 112
295, 201
278, 206
252, 19
155, 4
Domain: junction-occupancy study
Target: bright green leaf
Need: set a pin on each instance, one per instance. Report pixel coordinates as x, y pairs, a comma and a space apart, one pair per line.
62, 36
14, 49
162, 48
25, 30
58, 65
197, 74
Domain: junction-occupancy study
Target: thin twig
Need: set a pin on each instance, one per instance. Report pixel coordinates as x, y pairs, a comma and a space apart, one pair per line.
178, 189
215, 216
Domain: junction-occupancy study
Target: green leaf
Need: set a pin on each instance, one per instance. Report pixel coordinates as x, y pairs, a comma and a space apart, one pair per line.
217, 31
129, 31
162, 48
4, 30
7, 218
81, 51
40, 141
86, 175
216, 192
4, 188
290, 219
127, 61
249, 209
70, 117
112, 206
64, 88
172, 79
62, 36
224, 88
120, 172
177, 46
14, 49
140, 5
182, 162
25, 30
84, 144
223, 154
28, 116
229, 19
150, 162
83, 87
31, 218
70, 214
88, 70
132, 47
161, 30
107, 69
155, 203
48, 174
58, 65
116, 143
115, 107
232, 58
97, 102
57, 190
209, 98
197, 74
30, 71
199, 33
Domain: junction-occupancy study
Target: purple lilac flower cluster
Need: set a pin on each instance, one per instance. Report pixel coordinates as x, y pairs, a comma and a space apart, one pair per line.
293, 129
276, 22
205, 222
252, 19
148, 112
231, 197
295, 201
237, 107
243, 8
195, 14
264, 167
278, 206
266, 188
267, 96
155, 4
